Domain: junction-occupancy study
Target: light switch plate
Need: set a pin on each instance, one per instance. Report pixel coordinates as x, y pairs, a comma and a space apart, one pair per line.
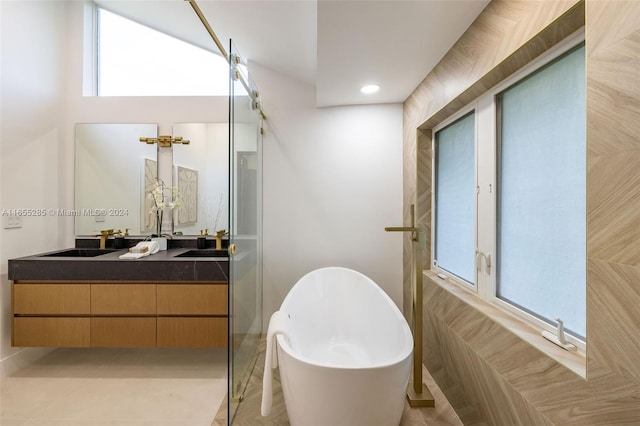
9, 222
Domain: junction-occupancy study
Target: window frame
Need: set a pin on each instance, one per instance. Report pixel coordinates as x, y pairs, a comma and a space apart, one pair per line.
471, 108
486, 199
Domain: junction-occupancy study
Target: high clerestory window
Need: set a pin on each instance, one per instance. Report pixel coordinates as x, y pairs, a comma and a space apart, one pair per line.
510, 193
135, 60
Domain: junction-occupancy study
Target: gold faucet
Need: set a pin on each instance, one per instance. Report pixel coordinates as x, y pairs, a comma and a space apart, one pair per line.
104, 236
418, 394
219, 236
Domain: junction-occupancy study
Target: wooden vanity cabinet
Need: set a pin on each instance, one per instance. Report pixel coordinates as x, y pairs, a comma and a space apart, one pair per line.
123, 332
192, 299
51, 314
52, 299
123, 299
192, 315
192, 332
51, 331
119, 314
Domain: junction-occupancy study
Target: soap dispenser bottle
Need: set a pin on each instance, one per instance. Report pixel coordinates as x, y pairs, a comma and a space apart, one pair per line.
201, 241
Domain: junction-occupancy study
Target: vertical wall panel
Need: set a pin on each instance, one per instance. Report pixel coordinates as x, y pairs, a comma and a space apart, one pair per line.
613, 186
491, 373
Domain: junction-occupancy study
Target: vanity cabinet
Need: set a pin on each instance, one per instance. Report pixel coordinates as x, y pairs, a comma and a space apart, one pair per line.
123, 332
189, 313
51, 331
119, 314
123, 299
192, 299
54, 299
51, 314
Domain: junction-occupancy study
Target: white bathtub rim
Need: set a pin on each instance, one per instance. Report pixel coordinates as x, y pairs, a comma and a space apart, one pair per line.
283, 343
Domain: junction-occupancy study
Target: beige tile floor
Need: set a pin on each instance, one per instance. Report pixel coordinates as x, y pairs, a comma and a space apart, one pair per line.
150, 387
117, 387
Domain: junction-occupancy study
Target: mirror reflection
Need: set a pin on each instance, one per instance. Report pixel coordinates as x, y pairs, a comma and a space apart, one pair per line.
111, 166
201, 175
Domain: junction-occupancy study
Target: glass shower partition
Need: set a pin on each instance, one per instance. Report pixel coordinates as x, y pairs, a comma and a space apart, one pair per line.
245, 234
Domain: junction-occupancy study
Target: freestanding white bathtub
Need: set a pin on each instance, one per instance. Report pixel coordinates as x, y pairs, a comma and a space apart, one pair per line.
345, 358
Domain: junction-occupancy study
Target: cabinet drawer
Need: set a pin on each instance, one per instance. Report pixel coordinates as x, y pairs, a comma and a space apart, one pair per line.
123, 332
56, 332
51, 299
192, 299
123, 299
192, 332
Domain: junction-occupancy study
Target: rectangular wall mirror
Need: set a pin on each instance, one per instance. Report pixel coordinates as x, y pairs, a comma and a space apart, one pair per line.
111, 168
201, 175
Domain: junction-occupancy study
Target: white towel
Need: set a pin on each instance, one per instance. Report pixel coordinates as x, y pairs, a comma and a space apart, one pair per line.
133, 255
278, 324
152, 247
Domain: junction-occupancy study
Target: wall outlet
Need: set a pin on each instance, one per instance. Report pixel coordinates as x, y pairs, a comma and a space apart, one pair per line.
9, 222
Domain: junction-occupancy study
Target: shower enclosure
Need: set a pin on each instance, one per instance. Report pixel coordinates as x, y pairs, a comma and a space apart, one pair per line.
245, 235
245, 221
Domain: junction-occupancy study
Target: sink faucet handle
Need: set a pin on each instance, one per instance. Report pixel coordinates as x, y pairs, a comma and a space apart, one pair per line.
219, 235
104, 235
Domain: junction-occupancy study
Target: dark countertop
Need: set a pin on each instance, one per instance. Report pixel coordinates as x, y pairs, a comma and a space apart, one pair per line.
162, 266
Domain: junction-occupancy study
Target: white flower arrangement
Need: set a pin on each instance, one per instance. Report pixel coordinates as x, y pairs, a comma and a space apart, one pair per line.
162, 201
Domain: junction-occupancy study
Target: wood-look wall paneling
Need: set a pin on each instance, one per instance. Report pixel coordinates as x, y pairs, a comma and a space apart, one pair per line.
487, 372
613, 189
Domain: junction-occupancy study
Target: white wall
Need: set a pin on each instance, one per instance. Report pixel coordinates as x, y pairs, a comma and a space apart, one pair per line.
33, 55
332, 182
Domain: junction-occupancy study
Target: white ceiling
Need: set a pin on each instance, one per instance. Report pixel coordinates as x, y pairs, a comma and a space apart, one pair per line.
335, 45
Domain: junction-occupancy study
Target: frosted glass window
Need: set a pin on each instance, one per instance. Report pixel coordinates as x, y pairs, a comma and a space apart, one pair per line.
542, 186
135, 60
455, 198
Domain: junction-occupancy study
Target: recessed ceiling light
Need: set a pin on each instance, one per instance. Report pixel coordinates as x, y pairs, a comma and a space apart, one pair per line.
370, 88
